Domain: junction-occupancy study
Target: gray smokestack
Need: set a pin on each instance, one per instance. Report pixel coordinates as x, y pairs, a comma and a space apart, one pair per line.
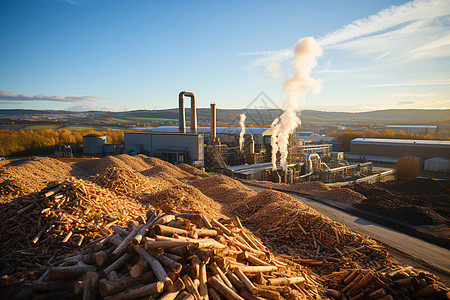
182, 115
213, 122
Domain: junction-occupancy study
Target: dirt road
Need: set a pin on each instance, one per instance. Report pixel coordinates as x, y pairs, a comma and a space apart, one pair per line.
436, 257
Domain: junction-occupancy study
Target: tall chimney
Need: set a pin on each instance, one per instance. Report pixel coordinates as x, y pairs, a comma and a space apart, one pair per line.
213, 122
182, 114
193, 115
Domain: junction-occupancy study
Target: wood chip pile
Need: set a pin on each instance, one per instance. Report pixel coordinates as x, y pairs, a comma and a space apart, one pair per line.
178, 256
387, 283
21, 177
39, 227
126, 182
295, 229
184, 198
315, 188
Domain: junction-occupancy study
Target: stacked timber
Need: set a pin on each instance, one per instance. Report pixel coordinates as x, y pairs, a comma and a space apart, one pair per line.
178, 256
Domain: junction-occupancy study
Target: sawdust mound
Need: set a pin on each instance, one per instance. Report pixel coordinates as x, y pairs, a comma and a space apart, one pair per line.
184, 198
306, 187
126, 182
21, 177
137, 163
172, 170
343, 195
223, 189
261, 199
192, 170
92, 167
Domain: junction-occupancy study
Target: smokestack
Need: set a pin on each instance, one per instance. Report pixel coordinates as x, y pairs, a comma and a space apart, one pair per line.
182, 115
213, 122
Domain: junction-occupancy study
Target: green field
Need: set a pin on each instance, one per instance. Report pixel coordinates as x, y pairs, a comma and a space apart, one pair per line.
78, 128
43, 126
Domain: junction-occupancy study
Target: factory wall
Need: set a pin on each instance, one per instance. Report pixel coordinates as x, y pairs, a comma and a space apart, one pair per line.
399, 150
152, 142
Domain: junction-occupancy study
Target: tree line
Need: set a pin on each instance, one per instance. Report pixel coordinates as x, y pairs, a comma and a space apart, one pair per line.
46, 141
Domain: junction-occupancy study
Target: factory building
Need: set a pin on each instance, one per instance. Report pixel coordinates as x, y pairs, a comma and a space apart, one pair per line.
424, 149
175, 147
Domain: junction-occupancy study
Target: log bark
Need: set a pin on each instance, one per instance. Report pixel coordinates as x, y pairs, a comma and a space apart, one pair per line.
286, 281
217, 271
139, 292
59, 273
223, 289
165, 244
117, 264
90, 286
110, 287
190, 287
248, 284
178, 285
203, 287
156, 267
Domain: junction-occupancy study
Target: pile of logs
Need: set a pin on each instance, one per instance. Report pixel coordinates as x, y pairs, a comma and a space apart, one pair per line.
177, 256
387, 284
39, 227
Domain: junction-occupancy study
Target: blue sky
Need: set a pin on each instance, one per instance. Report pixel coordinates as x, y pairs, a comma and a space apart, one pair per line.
117, 55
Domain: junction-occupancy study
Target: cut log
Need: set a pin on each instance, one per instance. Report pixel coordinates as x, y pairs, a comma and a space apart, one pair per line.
190, 287
110, 287
248, 284
139, 292
223, 289
90, 286
59, 273
203, 287
178, 285
286, 281
156, 267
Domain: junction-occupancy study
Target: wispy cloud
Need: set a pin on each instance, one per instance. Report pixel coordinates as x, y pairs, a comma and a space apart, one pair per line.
6, 96
412, 31
388, 18
418, 83
72, 2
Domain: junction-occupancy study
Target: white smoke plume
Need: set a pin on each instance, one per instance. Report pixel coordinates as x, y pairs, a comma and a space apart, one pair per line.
273, 142
241, 135
305, 52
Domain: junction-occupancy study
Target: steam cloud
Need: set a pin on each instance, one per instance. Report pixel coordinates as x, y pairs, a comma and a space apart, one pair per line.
296, 87
241, 135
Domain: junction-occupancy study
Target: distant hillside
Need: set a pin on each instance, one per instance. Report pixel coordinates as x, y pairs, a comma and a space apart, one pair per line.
225, 117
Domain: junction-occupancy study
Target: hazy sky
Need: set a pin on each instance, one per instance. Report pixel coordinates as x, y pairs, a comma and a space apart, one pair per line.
116, 55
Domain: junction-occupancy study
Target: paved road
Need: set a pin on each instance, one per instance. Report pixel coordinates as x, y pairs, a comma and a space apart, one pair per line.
435, 256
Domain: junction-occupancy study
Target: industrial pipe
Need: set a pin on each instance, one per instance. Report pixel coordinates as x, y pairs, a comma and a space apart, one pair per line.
213, 122
182, 115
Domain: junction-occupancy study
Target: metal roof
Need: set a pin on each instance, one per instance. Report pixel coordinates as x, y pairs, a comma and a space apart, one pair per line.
438, 143
328, 139
219, 130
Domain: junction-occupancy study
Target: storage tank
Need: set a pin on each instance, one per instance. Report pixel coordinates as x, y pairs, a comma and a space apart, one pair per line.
437, 164
93, 144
